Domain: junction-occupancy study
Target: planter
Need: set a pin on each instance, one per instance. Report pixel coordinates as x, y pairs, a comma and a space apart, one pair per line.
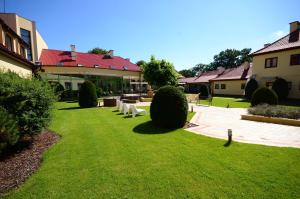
109, 102
274, 120
129, 101
146, 99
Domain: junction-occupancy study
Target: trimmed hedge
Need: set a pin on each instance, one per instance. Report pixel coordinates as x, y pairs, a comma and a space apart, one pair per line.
275, 111
264, 96
169, 108
29, 100
9, 133
181, 88
87, 95
281, 88
250, 87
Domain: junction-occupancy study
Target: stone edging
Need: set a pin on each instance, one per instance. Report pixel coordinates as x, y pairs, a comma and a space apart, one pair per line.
274, 120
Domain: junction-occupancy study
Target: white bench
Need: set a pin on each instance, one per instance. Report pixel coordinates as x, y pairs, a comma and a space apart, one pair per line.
135, 111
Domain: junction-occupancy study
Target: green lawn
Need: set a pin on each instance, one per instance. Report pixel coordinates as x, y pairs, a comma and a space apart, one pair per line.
227, 101
103, 154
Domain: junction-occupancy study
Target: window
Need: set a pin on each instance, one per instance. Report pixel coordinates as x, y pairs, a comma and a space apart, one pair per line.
22, 51
243, 86
223, 86
25, 35
8, 42
289, 85
295, 59
79, 85
269, 84
216, 86
68, 85
271, 62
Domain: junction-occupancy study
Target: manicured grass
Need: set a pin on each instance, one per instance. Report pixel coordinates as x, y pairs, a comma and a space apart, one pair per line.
227, 101
103, 154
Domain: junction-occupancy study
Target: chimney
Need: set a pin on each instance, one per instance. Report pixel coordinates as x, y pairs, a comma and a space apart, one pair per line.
73, 52
111, 53
220, 70
266, 45
294, 31
246, 65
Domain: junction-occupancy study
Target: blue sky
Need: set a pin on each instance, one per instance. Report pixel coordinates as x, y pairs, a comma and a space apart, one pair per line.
184, 32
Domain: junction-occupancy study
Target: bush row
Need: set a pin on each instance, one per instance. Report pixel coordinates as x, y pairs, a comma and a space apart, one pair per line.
275, 111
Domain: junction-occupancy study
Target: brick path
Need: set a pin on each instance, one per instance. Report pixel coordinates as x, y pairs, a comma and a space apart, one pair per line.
214, 122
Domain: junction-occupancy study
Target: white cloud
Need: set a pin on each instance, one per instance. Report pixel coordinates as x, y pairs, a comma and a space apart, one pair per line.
278, 34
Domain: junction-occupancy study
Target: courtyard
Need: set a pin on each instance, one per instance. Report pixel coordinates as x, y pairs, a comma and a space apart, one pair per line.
96, 158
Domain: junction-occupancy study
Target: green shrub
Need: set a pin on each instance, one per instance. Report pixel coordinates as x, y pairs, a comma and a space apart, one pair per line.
29, 100
264, 96
203, 91
169, 108
69, 95
281, 88
250, 87
57, 88
181, 88
275, 111
9, 133
87, 95
99, 92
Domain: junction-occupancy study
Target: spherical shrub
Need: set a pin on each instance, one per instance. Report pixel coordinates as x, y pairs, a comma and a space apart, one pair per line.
250, 87
264, 96
203, 91
9, 133
87, 95
169, 108
281, 88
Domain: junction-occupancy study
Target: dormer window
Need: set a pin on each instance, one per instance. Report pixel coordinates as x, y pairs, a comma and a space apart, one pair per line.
96, 66
79, 65
8, 42
125, 67
112, 67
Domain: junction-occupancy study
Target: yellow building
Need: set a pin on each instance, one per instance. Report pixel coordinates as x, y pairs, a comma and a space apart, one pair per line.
111, 73
27, 30
13, 52
280, 59
232, 81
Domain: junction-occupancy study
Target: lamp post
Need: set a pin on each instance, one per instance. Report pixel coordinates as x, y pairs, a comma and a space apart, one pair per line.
229, 131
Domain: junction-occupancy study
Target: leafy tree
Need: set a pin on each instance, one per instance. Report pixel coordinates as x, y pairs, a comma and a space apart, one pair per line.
159, 73
229, 58
187, 73
141, 63
99, 51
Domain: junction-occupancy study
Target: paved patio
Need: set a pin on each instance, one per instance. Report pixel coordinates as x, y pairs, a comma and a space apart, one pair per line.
214, 122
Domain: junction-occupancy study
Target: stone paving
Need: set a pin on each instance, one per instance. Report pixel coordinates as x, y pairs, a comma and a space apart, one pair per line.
215, 121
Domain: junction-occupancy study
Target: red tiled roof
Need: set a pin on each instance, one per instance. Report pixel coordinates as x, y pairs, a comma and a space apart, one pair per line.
53, 57
235, 73
203, 78
281, 44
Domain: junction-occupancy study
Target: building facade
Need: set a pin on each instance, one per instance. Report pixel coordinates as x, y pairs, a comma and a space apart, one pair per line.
27, 30
280, 59
113, 74
13, 52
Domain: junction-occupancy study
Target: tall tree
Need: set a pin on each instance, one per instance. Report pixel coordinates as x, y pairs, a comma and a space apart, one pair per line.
159, 73
99, 51
187, 73
141, 63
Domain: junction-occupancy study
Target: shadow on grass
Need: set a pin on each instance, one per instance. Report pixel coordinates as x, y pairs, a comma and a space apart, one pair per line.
130, 116
149, 128
115, 111
70, 108
228, 143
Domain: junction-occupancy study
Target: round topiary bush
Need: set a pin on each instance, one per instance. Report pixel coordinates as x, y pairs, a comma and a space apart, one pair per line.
203, 91
264, 96
169, 108
87, 95
281, 88
250, 87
